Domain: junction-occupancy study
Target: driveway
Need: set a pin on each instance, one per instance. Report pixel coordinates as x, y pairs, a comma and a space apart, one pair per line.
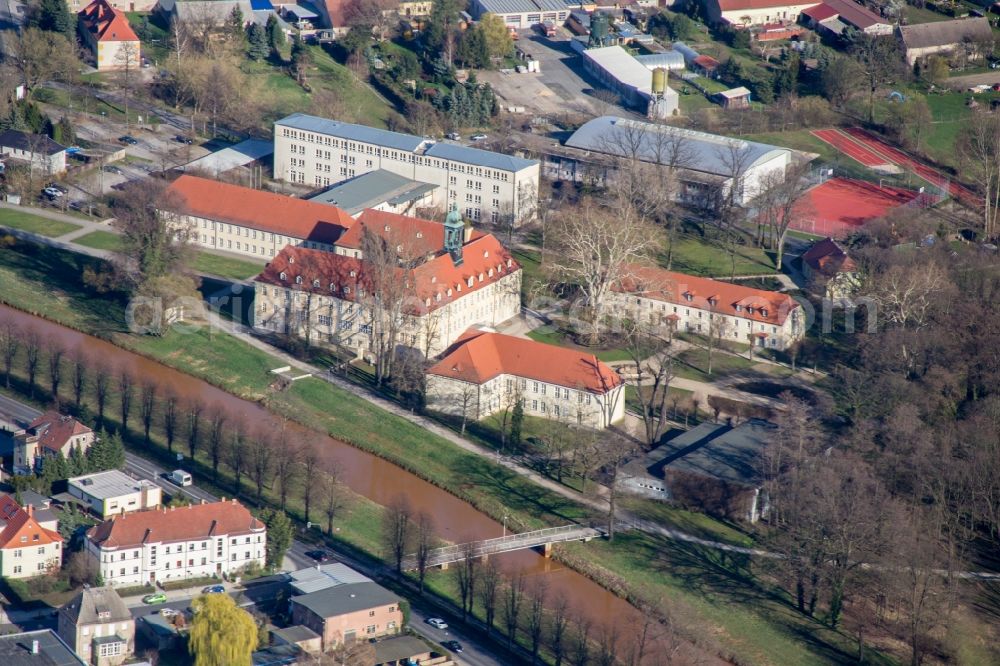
966, 82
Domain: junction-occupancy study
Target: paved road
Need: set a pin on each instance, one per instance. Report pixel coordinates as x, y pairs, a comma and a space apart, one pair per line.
14, 413
965, 82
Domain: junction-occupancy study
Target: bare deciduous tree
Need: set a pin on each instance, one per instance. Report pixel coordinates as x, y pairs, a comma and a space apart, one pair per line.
466, 577
10, 344
170, 419
653, 367
55, 358
979, 151
513, 599
397, 531
147, 407
126, 390
425, 543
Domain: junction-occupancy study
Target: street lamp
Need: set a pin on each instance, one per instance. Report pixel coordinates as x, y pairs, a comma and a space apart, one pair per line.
505, 516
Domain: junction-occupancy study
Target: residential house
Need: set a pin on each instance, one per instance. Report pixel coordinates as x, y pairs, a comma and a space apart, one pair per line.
107, 33
485, 372
839, 16
212, 539
407, 8
256, 223
449, 278
38, 150
826, 264
703, 164
50, 434
713, 467
98, 625
745, 13
40, 505
727, 311
41, 647
345, 613
969, 36
113, 492
484, 184
26, 548
203, 13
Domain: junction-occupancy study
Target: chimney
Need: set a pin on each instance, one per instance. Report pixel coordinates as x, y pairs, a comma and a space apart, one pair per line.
468, 231
30, 509
34, 647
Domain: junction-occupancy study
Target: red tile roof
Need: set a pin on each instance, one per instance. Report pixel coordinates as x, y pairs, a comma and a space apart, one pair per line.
705, 294
420, 237
189, 523
106, 23
54, 430
820, 12
257, 209
827, 257
23, 524
854, 14
8, 507
479, 356
437, 282
336, 11
706, 62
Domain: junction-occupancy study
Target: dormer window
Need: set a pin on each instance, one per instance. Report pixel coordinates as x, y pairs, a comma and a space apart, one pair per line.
750, 309
491, 273
283, 276
480, 277
420, 234
298, 279
713, 301
315, 284
469, 282
688, 296
387, 227
739, 308
434, 278
427, 302
291, 260
486, 254
354, 273
449, 292
347, 289
399, 248
333, 287
437, 296
510, 263
763, 312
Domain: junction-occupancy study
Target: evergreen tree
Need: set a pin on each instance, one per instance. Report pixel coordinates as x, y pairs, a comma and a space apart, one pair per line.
77, 463
107, 452
34, 119
275, 35
280, 533
257, 47
62, 132
54, 468
235, 27
516, 423
54, 16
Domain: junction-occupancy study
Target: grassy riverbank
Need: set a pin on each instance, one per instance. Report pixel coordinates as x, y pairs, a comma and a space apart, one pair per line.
47, 282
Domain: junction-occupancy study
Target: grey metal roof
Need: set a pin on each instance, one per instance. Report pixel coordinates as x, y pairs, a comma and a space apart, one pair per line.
385, 138
521, 6
371, 189
714, 450
708, 153
15, 650
405, 142
108, 484
668, 59
350, 598
943, 33
240, 154
295, 634
477, 157
305, 581
399, 647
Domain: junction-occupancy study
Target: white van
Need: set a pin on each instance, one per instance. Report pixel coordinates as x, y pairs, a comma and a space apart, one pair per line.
180, 477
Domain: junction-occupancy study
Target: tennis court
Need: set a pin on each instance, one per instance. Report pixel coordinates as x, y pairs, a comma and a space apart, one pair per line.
839, 206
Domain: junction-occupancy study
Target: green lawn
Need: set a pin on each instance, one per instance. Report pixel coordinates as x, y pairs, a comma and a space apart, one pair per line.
949, 113
36, 224
561, 338
204, 262
711, 85
697, 256
693, 364
100, 240
914, 15
77, 101
739, 617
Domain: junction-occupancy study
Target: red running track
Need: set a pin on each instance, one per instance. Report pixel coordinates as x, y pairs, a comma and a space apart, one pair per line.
847, 145
899, 157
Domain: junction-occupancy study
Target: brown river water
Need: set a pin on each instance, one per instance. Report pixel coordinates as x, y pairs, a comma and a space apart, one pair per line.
379, 480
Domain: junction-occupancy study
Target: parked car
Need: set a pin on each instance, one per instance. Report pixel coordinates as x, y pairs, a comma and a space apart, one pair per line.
214, 589
79, 205
454, 136
52, 193
454, 646
180, 138
180, 477
57, 186
111, 168
437, 623
478, 137
169, 612
128, 140
318, 555
158, 598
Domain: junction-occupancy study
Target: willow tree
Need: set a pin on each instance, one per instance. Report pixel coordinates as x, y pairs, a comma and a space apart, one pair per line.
221, 632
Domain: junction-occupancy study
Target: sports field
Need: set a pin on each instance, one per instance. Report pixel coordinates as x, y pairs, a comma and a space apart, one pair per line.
840, 205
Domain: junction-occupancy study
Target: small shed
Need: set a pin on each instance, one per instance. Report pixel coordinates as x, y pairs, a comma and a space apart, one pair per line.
734, 98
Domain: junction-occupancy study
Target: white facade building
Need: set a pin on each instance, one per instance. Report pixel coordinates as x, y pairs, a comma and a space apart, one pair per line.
187, 542
483, 184
523, 14
113, 492
724, 310
488, 372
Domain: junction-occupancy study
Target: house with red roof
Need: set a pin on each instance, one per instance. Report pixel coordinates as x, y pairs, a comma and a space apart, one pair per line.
51, 434
828, 266
486, 372
839, 16
724, 310
746, 13
256, 223
428, 283
210, 539
109, 36
26, 547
